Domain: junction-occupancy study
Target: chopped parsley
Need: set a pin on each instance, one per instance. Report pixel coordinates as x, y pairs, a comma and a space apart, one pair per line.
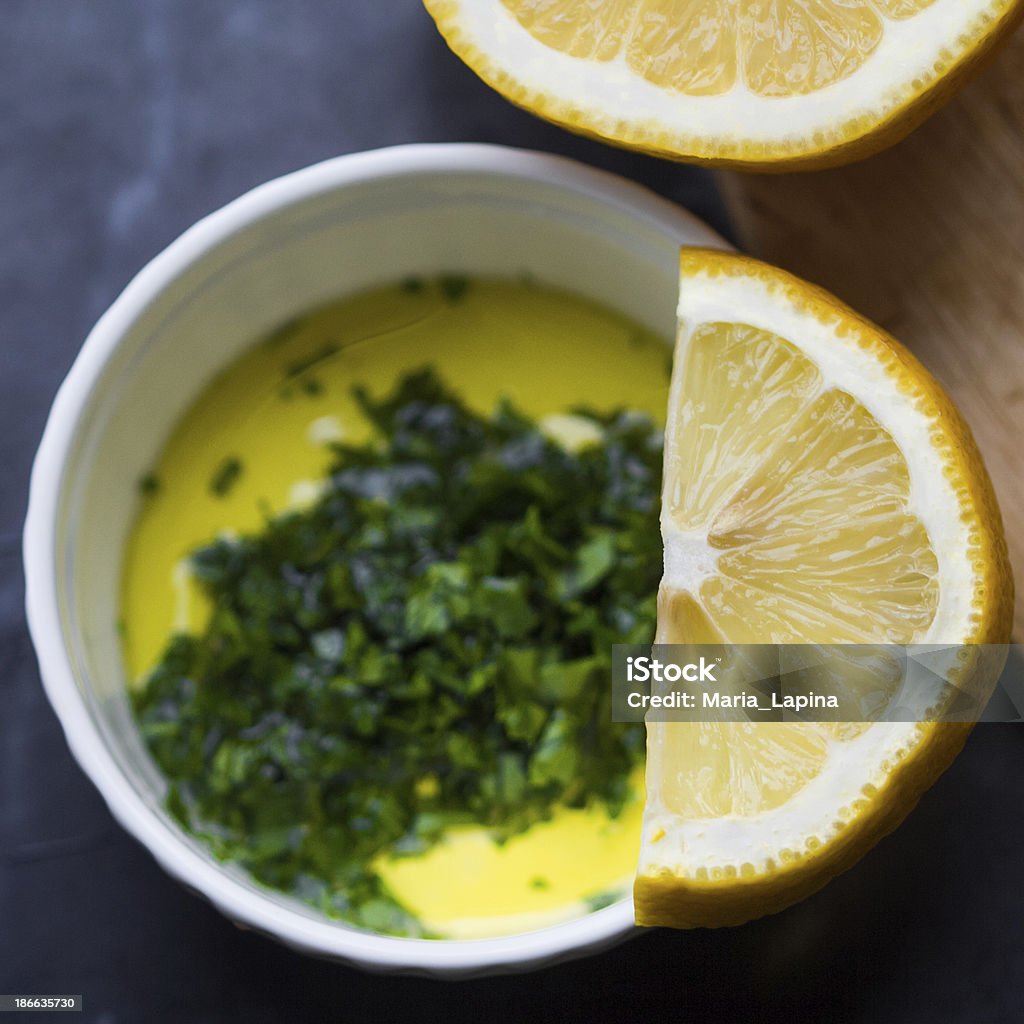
453, 286
602, 899
225, 476
149, 485
428, 644
299, 372
304, 365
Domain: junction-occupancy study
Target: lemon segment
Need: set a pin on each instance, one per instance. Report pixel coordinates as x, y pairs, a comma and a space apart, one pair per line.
740, 82
820, 488
698, 47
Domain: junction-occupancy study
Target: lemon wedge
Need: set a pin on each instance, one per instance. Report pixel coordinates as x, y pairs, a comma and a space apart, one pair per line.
819, 487
753, 83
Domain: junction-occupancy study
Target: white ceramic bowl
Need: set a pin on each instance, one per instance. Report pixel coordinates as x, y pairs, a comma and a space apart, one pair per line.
312, 236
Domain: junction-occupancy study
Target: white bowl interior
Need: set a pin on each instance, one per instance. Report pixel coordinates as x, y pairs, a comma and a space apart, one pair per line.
313, 237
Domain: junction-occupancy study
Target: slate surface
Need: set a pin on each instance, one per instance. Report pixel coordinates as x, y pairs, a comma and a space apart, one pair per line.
120, 124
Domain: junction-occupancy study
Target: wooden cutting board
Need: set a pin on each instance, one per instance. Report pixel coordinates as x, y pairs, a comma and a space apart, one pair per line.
927, 239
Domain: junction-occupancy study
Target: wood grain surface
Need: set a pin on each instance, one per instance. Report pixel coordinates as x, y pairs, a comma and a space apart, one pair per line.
927, 239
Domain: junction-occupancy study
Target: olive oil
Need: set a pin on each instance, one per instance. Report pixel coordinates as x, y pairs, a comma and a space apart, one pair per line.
257, 441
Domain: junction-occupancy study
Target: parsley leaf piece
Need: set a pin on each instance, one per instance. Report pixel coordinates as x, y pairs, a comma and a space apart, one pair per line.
225, 476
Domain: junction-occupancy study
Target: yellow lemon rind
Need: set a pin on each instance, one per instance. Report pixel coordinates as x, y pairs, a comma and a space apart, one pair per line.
846, 142
677, 901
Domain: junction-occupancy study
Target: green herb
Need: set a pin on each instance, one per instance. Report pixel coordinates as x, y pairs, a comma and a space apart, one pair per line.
429, 643
149, 485
453, 286
300, 366
539, 882
412, 285
225, 476
603, 899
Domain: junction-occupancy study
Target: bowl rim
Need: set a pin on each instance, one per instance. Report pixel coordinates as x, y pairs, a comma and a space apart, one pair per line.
168, 846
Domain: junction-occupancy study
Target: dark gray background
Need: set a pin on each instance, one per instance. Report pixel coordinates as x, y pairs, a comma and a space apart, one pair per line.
123, 122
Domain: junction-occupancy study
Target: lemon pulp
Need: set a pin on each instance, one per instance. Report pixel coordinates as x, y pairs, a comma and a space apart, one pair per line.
704, 47
547, 351
814, 544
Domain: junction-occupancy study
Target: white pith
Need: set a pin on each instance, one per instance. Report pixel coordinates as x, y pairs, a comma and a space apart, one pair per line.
689, 557
609, 94
818, 810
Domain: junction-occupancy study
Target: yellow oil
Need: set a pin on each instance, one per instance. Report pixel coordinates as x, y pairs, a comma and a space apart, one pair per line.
545, 350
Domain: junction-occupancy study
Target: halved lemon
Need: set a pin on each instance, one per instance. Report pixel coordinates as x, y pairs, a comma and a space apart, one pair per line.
819, 487
754, 83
